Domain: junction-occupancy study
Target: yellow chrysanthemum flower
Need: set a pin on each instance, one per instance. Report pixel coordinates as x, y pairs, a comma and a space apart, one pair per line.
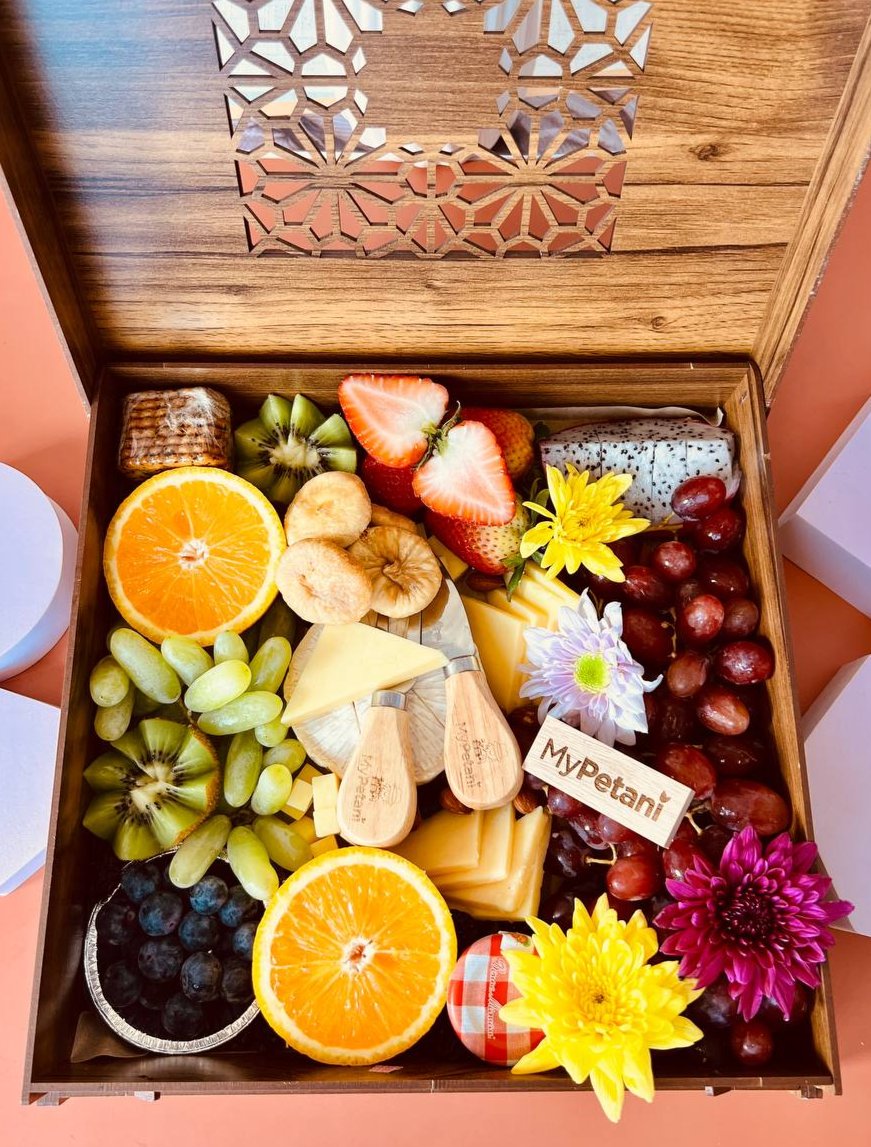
600, 1004
583, 521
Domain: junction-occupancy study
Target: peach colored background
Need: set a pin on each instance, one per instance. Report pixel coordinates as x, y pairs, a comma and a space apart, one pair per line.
43, 431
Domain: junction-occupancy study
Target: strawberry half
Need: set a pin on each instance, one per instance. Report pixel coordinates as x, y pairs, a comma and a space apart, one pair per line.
392, 416
465, 477
391, 486
487, 549
514, 433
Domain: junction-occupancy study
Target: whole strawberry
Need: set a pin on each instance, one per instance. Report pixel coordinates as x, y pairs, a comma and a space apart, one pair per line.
514, 433
487, 549
391, 486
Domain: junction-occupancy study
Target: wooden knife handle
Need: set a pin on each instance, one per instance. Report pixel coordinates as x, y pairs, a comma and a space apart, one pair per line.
377, 800
482, 758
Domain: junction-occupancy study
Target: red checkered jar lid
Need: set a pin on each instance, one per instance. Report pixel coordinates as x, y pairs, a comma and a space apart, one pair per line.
479, 986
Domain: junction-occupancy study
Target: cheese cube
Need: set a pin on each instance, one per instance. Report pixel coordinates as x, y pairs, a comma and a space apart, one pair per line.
447, 842
455, 566
307, 773
300, 799
325, 789
305, 826
328, 844
497, 842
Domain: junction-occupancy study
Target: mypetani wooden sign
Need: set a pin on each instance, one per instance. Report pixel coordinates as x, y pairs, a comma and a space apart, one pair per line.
637, 796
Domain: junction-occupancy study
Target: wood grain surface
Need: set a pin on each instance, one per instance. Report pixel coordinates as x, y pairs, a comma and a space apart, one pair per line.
123, 109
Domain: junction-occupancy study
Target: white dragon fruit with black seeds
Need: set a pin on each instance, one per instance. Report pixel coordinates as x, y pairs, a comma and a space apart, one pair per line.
659, 453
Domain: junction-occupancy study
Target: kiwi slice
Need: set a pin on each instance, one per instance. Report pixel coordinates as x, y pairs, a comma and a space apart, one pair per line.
288, 443
153, 787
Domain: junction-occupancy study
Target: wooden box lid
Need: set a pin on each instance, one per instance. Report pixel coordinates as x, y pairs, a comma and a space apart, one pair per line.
366, 179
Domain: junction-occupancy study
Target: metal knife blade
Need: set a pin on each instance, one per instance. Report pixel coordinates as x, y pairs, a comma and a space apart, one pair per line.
445, 625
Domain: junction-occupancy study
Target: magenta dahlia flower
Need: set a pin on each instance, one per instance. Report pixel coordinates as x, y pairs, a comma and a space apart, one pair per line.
760, 920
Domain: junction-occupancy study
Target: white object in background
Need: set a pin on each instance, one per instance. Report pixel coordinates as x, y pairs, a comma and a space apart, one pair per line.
27, 754
826, 529
37, 570
836, 745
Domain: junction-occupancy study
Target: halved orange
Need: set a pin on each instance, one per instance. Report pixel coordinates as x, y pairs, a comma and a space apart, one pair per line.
193, 551
353, 955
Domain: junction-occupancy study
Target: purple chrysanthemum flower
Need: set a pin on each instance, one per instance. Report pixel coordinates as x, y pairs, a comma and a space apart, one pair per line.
585, 675
759, 919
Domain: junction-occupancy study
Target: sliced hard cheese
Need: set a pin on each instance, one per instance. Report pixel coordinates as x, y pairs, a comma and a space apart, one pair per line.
348, 662
527, 611
455, 566
497, 844
504, 901
325, 793
501, 645
447, 842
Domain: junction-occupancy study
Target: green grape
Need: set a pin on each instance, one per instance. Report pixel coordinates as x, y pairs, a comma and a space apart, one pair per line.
145, 667
242, 768
289, 753
251, 864
109, 683
188, 659
272, 790
278, 621
271, 734
217, 686
229, 646
112, 721
197, 853
269, 664
286, 846
246, 712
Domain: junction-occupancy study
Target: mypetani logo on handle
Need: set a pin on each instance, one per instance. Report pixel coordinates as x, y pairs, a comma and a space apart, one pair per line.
609, 781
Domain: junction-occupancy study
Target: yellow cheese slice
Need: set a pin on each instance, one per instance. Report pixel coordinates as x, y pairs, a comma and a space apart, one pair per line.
503, 901
527, 611
529, 904
325, 794
497, 842
545, 593
349, 662
328, 844
447, 842
455, 566
501, 645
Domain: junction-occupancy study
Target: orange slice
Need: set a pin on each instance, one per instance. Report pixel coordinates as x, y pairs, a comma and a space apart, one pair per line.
353, 955
193, 551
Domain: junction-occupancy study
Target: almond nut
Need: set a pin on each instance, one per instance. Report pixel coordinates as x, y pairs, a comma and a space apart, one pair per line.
450, 803
526, 800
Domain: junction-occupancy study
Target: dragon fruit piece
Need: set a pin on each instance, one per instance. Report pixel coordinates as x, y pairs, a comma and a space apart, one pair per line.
659, 453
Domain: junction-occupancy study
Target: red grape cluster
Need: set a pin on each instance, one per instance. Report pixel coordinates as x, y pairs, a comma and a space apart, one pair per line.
688, 615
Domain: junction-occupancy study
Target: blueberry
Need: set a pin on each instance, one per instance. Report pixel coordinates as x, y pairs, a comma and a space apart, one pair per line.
153, 995
239, 906
243, 939
140, 880
181, 1017
201, 977
116, 922
208, 895
159, 913
236, 986
160, 960
121, 985
198, 932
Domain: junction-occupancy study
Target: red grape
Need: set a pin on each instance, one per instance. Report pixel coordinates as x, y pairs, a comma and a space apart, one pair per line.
644, 586
744, 663
770, 1013
723, 576
700, 620
675, 720
565, 857
689, 589
720, 531
626, 550
736, 756
737, 803
604, 588
742, 618
638, 846
722, 711
633, 878
713, 842
647, 637
674, 561
689, 766
558, 909
697, 498
613, 831
687, 673
752, 1043
678, 857
562, 805
585, 825
715, 1008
